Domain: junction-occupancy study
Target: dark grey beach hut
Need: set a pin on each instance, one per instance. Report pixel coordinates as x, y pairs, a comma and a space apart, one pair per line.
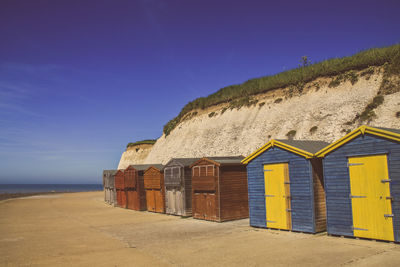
286, 188
362, 183
178, 186
110, 193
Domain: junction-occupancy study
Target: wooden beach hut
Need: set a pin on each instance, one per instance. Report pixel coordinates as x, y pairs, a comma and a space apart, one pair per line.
154, 186
219, 189
120, 188
110, 194
178, 186
362, 183
286, 188
136, 195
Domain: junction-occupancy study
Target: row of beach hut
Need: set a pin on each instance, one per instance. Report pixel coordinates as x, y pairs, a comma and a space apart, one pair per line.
350, 187
212, 188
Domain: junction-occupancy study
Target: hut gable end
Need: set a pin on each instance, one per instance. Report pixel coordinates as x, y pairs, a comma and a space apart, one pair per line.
337, 179
301, 188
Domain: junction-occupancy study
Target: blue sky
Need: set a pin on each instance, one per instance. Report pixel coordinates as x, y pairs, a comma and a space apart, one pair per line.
81, 79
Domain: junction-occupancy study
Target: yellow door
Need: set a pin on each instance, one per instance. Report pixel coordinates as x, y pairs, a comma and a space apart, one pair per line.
370, 197
277, 196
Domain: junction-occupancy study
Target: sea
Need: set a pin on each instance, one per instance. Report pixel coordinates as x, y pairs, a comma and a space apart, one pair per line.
36, 188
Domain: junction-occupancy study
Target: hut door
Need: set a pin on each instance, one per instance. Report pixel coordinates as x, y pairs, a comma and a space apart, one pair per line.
159, 206
171, 201
179, 203
370, 197
277, 196
151, 201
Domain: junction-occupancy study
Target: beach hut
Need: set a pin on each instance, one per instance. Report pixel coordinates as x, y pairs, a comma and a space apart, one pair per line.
219, 189
120, 188
110, 194
286, 188
362, 183
178, 186
154, 186
136, 195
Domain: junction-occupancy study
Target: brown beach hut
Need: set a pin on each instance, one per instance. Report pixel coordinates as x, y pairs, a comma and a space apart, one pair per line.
110, 194
154, 187
120, 188
136, 195
178, 186
219, 189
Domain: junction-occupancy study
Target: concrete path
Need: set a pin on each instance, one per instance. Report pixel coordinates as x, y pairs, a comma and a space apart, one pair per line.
79, 229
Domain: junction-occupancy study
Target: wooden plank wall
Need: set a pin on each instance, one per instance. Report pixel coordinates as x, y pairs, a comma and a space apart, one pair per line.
319, 195
204, 181
233, 192
337, 181
301, 189
154, 180
188, 191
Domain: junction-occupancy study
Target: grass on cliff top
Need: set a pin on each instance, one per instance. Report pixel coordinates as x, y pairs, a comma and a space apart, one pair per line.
300, 75
147, 142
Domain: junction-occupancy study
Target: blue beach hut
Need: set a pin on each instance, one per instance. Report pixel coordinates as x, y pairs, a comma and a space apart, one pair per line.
285, 185
362, 184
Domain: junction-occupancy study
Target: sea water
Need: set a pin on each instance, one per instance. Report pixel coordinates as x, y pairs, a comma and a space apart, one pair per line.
35, 188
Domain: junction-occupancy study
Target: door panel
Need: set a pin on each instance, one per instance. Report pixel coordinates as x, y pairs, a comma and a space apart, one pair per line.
199, 206
370, 197
159, 207
211, 211
179, 203
277, 196
151, 205
169, 202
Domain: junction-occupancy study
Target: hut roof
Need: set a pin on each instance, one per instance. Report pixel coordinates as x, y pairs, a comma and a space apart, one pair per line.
185, 162
306, 145
221, 160
305, 148
392, 134
143, 167
112, 172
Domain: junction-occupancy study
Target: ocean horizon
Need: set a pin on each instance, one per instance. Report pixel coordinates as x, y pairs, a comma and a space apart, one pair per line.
39, 188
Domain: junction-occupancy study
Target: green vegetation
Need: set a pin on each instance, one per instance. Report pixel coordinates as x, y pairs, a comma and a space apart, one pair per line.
278, 100
244, 101
291, 134
212, 114
147, 142
369, 112
348, 76
313, 129
223, 110
296, 77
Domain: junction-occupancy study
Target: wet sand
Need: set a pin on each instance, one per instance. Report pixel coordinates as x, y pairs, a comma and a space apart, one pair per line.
79, 229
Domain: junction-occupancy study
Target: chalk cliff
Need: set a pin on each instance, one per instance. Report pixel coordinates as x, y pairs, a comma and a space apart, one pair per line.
320, 110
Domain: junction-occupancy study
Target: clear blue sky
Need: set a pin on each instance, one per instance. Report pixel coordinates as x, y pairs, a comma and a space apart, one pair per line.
80, 79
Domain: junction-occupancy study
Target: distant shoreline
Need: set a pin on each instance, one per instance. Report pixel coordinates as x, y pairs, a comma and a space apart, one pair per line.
4, 196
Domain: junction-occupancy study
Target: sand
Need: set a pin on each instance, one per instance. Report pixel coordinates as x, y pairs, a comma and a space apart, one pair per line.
79, 229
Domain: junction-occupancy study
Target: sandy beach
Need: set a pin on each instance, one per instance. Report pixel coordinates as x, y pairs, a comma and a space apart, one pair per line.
79, 229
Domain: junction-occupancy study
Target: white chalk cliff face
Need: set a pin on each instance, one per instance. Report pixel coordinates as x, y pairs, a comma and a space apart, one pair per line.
329, 111
134, 155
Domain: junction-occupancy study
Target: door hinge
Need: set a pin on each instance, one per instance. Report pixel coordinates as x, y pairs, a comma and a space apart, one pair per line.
271, 221
354, 164
288, 210
386, 180
388, 215
351, 196
360, 229
269, 195
268, 170
286, 182
391, 198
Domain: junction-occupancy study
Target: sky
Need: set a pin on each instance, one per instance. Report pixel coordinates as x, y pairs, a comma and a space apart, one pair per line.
79, 79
